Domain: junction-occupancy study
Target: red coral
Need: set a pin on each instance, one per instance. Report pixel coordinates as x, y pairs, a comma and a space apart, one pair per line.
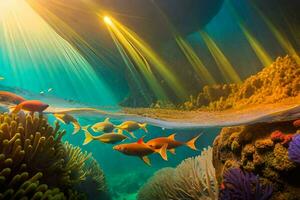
278, 136
296, 123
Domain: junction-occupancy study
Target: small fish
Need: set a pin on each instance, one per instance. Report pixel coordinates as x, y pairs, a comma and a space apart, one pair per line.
42, 92
106, 126
67, 119
157, 143
50, 89
131, 126
1, 78
141, 150
108, 138
9, 97
31, 105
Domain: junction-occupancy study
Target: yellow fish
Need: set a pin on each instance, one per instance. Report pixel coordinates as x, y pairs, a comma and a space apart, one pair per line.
67, 119
142, 150
130, 127
108, 138
106, 126
1, 78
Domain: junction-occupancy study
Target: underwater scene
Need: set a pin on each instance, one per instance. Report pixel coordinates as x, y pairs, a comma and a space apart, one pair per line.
150, 99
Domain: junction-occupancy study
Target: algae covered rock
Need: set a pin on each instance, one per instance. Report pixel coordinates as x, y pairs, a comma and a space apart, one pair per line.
35, 163
260, 149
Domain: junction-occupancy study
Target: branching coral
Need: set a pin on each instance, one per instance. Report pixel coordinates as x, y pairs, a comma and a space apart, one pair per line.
241, 185
193, 179
34, 163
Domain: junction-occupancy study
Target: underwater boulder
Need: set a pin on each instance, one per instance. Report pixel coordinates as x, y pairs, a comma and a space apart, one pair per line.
261, 149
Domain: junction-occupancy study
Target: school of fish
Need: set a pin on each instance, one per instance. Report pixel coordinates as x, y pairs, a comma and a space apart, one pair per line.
108, 132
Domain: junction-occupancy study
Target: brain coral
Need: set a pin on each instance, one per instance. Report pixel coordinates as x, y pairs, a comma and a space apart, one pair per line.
34, 163
193, 179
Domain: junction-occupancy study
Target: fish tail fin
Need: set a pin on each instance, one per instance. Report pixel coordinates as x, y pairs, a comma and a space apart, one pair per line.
77, 128
86, 128
88, 137
163, 152
191, 143
144, 127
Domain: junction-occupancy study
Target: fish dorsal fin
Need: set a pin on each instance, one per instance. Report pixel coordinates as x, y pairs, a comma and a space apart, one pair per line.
106, 119
77, 127
146, 160
141, 141
172, 137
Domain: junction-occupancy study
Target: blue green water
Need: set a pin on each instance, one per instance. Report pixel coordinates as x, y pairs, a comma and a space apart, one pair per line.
41, 58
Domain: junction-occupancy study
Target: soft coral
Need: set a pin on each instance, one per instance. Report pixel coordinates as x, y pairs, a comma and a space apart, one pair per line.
239, 185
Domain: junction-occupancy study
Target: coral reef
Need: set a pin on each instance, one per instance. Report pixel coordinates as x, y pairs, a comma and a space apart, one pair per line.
241, 185
261, 149
279, 81
194, 179
294, 149
34, 163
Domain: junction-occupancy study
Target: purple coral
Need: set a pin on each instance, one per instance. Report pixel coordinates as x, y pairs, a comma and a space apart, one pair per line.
294, 149
239, 185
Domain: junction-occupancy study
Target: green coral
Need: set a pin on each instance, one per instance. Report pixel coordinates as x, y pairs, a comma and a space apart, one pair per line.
34, 163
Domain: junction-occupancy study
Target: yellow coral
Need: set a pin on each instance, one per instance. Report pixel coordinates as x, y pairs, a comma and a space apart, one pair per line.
34, 163
274, 83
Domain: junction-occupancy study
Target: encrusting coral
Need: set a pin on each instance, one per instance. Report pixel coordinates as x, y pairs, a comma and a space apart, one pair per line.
264, 150
34, 163
193, 179
279, 81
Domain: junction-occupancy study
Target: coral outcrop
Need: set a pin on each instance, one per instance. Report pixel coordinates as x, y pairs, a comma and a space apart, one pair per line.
193, 179
35, 163
279, 81
261, 149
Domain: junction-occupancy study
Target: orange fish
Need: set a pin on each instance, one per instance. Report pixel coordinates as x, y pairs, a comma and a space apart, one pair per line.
10, 97
142, 150
172, 143
31, 105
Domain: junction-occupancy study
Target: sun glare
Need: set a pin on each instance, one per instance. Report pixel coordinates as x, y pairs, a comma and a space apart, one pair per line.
107, 20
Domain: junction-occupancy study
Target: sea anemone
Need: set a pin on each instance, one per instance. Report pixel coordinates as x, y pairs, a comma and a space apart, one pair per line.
193, 179
294, 149
241, 185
